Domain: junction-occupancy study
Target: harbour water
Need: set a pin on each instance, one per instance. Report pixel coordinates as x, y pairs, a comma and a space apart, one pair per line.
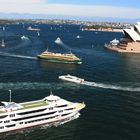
112, 105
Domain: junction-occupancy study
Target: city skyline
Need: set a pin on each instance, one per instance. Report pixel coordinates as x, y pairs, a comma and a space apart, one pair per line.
70, 8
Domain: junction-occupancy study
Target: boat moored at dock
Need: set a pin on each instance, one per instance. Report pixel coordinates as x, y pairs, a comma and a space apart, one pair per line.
130, 43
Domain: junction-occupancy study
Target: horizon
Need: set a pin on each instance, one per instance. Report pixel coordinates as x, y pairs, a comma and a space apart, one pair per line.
118, 11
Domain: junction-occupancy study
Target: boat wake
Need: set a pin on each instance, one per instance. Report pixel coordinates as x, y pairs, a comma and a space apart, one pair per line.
111, 86
16, 55
64, 85
37, 85
67, 47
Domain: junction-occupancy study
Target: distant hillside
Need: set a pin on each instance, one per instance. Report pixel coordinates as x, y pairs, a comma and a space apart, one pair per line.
45, 16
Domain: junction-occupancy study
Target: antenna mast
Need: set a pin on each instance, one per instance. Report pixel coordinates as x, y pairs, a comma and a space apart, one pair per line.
10, 95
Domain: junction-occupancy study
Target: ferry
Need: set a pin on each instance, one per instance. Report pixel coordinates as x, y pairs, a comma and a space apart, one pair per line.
60, 58
49, 110
71, 78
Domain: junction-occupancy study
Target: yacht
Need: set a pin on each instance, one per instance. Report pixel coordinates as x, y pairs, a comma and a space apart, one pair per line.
49, 110
130, 43
71, 78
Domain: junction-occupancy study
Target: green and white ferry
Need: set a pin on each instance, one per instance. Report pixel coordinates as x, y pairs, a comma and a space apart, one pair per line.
60, 57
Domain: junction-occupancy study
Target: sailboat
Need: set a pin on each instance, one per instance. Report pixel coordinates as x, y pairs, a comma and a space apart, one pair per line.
58, 40
2, 43
38, 33
77, 36
3, 28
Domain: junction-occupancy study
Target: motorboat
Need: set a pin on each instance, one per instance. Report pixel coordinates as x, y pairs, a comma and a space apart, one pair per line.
77, 36
24, 37
71, 78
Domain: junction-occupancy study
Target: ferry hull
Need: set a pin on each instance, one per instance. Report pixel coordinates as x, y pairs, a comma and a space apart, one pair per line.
49, 122
50, 110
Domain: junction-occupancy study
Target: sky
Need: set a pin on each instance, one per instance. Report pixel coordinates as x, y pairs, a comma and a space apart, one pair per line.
129, 9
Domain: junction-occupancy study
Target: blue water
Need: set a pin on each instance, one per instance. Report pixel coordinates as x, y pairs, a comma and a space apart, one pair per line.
112, 105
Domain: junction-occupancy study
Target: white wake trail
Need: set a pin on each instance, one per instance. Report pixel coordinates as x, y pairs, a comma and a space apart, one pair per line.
110, 86
16, 55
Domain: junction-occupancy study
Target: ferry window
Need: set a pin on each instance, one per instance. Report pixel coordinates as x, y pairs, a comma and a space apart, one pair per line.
12, 125
12, 115
65, 114
1, 117
60, 111
39, 115
51, 108
1, 127
7, 121
69, 109
34, 111
62, 106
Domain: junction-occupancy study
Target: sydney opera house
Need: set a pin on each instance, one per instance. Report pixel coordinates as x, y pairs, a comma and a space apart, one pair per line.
130, 43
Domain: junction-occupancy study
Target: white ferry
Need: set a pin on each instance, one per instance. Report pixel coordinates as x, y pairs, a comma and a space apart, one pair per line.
71, 78
49, 110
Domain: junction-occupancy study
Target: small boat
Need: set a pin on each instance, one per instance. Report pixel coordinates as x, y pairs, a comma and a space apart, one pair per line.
3, 28
77, 36
114, 42
58, 40
113, 45
38, 33
24, 38
33, 29
71, 78
2, 43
